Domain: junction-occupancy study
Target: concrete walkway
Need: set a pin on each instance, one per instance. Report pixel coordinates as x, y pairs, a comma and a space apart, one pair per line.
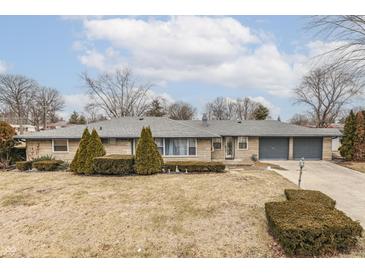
344, 185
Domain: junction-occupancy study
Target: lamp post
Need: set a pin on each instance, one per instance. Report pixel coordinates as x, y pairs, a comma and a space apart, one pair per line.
301, 166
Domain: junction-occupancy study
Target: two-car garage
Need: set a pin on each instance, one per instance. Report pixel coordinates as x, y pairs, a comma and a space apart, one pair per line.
278, 148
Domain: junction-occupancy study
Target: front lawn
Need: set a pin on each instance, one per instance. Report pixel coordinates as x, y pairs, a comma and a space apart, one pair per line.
358, 166
57, 214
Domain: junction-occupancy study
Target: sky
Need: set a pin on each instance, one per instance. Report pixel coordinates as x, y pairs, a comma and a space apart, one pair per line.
189, 58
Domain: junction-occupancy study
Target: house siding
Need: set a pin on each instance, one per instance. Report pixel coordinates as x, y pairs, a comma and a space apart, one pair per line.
203, 152
39, 148
327, 148
244, 155
252, 148
36, 148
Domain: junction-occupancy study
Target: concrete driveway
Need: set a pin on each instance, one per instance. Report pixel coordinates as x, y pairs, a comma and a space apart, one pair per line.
344, 185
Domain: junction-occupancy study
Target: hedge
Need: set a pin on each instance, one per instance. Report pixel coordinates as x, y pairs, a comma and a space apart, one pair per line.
114, 164
24, 165
194, 166
313, 196
307, 229
47, 165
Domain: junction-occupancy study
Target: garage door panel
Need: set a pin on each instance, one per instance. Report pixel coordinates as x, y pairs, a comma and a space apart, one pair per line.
274, 148
309, 148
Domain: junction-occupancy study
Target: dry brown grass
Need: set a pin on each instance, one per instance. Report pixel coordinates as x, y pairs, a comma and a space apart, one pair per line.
57, 214
358, 166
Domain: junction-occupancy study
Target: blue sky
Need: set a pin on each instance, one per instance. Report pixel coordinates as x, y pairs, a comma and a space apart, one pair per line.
188, 58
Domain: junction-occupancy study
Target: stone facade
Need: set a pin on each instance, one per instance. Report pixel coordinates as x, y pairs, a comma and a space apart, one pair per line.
36, 148
203, 152
327, 148
241, 155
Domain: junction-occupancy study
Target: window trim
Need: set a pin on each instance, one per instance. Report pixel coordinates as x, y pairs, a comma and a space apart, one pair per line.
68, 146
221, 141
238, 143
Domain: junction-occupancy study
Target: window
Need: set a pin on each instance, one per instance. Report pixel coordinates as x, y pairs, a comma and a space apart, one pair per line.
242, 142
180, 147
159, 144
192, 146
60, 145
217, 143
105, 141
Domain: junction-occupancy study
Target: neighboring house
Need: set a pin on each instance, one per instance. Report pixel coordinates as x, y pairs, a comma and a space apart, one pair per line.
59, 124
218, 140
26, 128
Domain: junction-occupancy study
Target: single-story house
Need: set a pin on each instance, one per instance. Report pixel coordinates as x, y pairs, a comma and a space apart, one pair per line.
203, 140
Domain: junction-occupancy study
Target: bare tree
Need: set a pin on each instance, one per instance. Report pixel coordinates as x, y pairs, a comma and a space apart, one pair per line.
181, 111
300, 120
348, 32
326, 91
117, 94
17, 93
93, 114
245, 108
47, 101
221, 108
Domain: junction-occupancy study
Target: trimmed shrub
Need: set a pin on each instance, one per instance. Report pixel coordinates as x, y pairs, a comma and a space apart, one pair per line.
95, 149
313, 196
148, 158
78, 163
47, 165
195, 166
24, 165
114, 164
43, 158
306, 229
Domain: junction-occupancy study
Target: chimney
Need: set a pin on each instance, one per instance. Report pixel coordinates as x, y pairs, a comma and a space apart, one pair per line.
205, 120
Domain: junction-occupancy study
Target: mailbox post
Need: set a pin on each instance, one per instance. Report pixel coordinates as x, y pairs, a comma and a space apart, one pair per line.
301, 166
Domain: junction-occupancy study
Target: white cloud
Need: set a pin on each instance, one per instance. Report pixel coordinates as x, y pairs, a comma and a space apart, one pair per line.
3, 67
74, 102
215, 50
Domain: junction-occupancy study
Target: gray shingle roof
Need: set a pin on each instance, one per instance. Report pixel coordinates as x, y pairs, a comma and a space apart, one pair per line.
130, 127
261, 128
126, 127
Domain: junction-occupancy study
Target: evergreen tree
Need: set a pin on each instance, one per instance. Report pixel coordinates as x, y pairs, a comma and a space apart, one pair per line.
359, 142
82, 151
348, 137
261, 113
156, 109
75, 162
158, 155
82, 120
95, 148
7, 142
77, 119
74, 118
148, 158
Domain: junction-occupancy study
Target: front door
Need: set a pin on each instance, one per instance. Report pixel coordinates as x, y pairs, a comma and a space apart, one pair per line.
229, 147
